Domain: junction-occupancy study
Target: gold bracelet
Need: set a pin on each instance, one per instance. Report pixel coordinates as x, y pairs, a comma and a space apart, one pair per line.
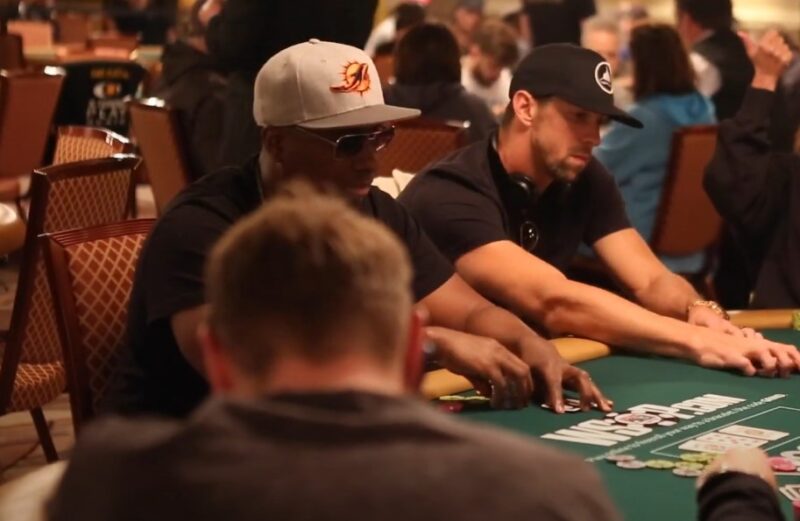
710, 304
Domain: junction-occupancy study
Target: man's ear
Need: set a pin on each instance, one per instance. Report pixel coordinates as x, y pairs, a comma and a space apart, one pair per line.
272, 141
525, 107
415, 354
217, 363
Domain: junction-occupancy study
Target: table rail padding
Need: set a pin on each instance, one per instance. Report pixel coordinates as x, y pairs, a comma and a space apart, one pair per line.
763, 318
574, 350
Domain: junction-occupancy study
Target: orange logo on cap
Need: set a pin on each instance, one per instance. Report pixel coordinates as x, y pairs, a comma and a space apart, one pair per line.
355, 78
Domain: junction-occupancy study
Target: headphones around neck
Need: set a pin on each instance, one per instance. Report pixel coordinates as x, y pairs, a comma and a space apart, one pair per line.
524, 197
524, 194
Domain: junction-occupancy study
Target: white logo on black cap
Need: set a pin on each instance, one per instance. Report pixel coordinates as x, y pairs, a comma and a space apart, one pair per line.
602, 75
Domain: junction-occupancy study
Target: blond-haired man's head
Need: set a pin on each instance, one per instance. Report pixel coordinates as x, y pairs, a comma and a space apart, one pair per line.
306, 294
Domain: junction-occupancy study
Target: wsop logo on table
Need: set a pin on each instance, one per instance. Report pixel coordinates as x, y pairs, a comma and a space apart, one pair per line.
641, 420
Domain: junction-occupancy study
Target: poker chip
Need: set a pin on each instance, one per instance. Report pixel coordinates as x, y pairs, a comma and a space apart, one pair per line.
612, 414
792, 455
694, 457
707, 457
634, 418
667, 423
631, 465
779, 464
477, 399
616, 458
689, 465
686, 473
451, 406
660, 464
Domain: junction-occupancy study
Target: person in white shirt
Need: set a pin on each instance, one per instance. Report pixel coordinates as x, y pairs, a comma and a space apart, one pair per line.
486, 70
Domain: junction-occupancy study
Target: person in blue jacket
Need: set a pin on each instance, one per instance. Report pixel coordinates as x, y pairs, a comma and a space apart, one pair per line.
665, 100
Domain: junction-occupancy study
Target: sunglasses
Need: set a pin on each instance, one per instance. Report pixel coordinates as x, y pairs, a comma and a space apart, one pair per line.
350, 145
528, 236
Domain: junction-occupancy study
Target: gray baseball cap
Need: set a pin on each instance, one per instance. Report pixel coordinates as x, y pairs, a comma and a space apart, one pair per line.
322, 85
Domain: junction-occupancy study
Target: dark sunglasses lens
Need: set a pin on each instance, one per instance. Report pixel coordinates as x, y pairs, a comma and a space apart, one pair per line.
528, 236
383, 138
352, 145
348, 146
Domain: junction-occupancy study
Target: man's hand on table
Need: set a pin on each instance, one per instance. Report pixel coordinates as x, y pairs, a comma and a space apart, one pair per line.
491, 368
512, 381
552, 374
750, 353
751, 461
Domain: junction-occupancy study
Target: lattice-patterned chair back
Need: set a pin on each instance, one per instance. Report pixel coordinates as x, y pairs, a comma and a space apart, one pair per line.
91, 272
419, 142
77, 143
64, 197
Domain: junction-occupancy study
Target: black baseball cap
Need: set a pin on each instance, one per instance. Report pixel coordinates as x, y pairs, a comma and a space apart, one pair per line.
574, 74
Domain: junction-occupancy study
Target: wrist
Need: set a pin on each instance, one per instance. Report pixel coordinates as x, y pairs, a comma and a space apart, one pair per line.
765, 81
724, 471
707, 304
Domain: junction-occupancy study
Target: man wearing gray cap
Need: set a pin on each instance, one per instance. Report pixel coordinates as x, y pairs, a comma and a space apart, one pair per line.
321, 110
511, 211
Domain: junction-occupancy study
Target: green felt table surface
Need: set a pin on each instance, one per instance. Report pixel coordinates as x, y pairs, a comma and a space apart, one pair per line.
649, 494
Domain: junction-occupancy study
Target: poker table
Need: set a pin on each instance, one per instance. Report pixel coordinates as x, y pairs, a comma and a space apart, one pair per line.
688, 402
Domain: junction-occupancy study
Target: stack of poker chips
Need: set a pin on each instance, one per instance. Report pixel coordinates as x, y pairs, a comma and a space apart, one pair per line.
690, 465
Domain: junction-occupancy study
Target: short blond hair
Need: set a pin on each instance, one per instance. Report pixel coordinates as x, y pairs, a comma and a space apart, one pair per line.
307, 268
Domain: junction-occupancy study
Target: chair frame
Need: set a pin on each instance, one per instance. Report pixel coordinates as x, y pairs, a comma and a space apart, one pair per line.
699, 280
5, 78
40, 189
54, 246
22, 62
670, 179
159, 105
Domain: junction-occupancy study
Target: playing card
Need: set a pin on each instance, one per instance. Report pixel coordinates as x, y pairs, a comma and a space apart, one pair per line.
753, 432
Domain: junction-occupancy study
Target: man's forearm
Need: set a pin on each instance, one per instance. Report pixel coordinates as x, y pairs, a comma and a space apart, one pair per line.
669, 295
583, 310
502, 325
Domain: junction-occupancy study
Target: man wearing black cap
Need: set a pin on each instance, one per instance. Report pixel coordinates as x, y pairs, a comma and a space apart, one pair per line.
511, 212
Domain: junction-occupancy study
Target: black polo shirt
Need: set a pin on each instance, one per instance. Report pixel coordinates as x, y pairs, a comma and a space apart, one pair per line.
154, 377
468, 200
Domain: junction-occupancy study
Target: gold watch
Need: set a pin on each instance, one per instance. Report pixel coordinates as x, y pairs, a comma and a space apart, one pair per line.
710, 304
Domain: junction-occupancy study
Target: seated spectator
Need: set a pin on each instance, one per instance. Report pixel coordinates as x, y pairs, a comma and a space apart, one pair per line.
428, 78
150, 20
557, 21
602, 35
192, 84
757, 188
515, 20
406, 16
41, 10
466, 18
385, 34
486, 70
665, 100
